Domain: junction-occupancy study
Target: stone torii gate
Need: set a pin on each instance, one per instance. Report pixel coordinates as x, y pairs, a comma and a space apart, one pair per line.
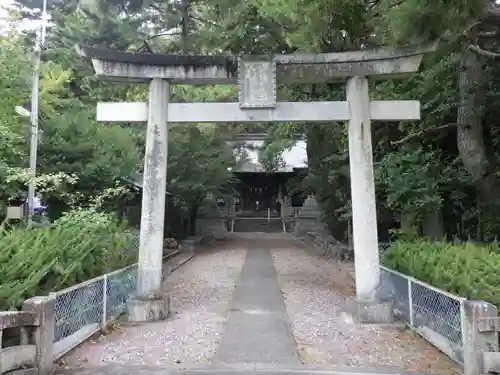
257, 77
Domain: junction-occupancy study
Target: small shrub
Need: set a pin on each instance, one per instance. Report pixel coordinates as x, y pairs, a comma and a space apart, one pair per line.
82, 244
467, 270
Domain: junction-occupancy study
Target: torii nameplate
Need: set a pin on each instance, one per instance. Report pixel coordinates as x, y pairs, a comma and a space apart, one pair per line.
257, 82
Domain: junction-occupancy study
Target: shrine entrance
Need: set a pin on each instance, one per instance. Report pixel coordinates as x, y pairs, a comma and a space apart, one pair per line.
257, 191
261, 203
261, 191
257, 78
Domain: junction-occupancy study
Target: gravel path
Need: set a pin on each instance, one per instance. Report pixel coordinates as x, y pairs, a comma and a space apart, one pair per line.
201, 290
314, 290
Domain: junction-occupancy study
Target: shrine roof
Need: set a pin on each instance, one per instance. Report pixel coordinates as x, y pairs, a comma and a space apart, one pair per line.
296, 68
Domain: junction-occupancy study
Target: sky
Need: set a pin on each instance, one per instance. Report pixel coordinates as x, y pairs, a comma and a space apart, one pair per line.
4, 3
296, 157
3, 13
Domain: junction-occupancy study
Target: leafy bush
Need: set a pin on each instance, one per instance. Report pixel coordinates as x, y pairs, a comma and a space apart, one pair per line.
82, 244
467, 270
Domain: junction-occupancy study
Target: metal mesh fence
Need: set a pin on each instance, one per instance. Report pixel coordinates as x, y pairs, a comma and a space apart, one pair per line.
422, 305
78, 307
383, 247
438, 311
84, 304
394, 287
119, 287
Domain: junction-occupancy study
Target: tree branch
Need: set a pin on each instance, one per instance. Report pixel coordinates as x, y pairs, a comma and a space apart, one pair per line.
204, 21
482, 52
488, 34
424, 132
166, 33
470, 27
379, 13
491, 15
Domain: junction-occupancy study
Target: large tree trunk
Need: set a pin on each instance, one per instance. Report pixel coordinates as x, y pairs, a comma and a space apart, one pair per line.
320, 146
433, 226
185, 27
409, 224
470, 139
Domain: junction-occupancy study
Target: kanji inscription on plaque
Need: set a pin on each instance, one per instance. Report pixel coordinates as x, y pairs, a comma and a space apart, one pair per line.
257, 83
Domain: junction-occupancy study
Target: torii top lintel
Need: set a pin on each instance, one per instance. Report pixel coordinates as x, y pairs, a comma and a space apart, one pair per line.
296, 68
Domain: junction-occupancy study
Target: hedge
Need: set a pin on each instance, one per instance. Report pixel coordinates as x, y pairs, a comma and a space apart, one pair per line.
467, 270
80, 245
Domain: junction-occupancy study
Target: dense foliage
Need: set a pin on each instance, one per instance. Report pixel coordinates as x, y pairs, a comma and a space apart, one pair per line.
466, 270
82, 165
78, 246
435, 177
440, 169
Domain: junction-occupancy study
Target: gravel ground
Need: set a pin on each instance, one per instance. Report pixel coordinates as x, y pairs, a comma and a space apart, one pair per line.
315, 290
201, 290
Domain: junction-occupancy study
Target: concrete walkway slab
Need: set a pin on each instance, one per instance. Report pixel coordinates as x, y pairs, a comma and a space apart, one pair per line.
258, 329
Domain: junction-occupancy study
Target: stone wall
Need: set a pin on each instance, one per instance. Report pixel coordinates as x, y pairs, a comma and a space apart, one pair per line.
324, 244
210, 222
308, 218
194, 243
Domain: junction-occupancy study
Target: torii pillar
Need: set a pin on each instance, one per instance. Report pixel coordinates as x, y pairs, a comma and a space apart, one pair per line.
150, 303
257, 77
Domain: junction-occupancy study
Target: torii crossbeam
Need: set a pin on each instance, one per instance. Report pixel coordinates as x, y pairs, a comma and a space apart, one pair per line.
257, 77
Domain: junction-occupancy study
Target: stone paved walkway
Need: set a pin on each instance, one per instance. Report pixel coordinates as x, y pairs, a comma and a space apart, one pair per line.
258, 329
256, 302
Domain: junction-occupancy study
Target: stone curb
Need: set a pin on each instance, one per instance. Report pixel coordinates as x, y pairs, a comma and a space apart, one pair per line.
234, 369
